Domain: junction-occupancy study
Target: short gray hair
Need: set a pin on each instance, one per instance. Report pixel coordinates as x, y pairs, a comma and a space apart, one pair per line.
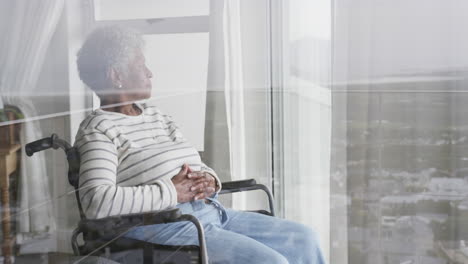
106, 48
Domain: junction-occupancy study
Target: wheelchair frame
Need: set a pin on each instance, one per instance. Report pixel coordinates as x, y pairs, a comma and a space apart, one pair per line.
100, 234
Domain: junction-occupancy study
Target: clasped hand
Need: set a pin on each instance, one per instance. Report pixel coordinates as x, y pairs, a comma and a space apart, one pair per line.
193, 185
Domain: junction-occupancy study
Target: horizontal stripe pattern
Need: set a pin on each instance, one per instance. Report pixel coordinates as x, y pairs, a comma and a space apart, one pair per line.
127, 162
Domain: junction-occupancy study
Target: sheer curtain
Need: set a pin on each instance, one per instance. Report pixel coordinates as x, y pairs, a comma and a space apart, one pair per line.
247, 89
27, 29
400, 131
234, 93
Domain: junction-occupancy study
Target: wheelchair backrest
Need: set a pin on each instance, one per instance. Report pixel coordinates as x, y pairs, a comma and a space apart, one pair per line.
73, 158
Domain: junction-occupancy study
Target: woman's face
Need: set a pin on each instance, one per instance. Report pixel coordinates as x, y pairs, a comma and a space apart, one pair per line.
136, 83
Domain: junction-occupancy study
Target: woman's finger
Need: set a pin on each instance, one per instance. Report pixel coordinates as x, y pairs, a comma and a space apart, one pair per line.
210, 190
199, 187
210, 179
201, 181
200, 196
189, 170
196, 174
183, 171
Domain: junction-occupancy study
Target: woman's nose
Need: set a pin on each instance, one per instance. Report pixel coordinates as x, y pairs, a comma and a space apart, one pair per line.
149, 74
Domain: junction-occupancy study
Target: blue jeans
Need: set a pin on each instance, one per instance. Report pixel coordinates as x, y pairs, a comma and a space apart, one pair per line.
238, 237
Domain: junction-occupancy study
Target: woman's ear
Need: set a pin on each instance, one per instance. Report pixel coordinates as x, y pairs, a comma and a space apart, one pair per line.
115, 78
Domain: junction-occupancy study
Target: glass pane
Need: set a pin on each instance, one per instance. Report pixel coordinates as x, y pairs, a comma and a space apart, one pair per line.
217, 86
40, 94
305, 179
144, 9
360, 130
398, 145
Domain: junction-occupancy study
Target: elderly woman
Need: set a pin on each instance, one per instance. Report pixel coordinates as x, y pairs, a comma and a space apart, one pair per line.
134, 159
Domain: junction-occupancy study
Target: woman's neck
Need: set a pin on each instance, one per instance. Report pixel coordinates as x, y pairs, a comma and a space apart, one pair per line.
124, 108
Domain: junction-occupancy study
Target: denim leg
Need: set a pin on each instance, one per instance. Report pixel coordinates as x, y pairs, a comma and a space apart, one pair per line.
298, 243
223, 246
238, 237
167, 234
228, 247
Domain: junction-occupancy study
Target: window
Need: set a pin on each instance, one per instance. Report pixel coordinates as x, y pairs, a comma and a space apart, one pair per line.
177, 44
302, 112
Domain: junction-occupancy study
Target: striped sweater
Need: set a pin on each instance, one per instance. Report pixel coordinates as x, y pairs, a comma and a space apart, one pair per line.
127, 162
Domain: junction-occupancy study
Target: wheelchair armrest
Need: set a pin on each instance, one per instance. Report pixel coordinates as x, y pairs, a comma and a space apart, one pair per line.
109, 226
248, 185
238, 185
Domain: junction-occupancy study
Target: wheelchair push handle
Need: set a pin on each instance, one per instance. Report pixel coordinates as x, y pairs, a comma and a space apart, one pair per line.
40, 145
46, 143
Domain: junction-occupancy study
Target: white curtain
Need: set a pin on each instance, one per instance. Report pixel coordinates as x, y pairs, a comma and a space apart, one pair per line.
234, 93
27, 29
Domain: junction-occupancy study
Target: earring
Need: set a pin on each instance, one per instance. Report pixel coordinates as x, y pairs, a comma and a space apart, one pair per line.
120, 86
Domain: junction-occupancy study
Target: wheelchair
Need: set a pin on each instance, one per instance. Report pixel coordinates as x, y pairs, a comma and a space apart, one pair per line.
105, 237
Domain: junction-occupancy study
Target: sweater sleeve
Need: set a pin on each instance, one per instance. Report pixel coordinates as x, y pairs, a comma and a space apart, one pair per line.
100, 196
205, 168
